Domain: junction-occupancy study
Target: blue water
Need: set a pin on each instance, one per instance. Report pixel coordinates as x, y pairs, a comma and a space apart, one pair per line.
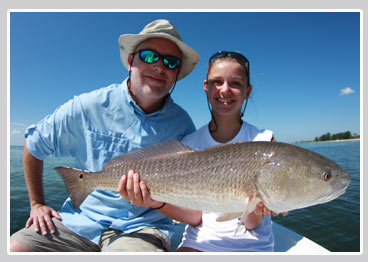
334, 225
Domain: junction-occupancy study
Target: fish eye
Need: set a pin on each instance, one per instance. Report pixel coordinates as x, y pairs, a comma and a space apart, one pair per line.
327, 175
81, 176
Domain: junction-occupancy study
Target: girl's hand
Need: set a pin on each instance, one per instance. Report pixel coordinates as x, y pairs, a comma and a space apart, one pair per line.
262, 209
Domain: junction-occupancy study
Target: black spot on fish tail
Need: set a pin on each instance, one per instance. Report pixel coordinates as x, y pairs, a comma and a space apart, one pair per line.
75, 184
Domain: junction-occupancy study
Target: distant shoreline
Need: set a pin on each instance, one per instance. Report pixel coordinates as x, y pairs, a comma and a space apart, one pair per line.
337, 140
299, 142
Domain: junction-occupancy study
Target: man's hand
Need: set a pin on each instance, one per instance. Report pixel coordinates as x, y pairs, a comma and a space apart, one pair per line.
136, 191
40, 216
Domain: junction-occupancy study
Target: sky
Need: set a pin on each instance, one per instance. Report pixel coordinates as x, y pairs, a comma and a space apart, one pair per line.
304, 66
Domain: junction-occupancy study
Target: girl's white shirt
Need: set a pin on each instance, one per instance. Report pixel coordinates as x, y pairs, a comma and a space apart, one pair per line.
212, 236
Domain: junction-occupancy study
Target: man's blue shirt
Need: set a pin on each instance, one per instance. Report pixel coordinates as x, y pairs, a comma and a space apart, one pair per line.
93, 128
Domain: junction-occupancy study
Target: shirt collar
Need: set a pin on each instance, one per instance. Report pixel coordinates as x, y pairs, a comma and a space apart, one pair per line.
137, 109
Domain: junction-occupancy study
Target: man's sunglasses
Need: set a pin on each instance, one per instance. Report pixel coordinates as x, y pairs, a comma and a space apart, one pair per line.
151, 57
238, 56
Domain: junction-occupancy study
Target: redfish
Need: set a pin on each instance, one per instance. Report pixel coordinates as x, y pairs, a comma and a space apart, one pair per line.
230, 178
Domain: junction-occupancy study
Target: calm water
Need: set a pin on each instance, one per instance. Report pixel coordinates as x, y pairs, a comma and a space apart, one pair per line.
334, 225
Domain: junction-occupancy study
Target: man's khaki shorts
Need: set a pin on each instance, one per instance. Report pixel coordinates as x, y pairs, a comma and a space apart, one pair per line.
64, 240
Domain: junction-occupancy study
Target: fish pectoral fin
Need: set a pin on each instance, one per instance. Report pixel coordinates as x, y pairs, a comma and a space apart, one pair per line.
228, 216
249, 208
241, 221
252, 201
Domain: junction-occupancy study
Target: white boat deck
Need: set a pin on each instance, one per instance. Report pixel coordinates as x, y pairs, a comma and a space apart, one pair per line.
286, 240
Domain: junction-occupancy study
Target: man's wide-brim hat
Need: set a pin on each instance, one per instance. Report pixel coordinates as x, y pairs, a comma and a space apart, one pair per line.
159, 29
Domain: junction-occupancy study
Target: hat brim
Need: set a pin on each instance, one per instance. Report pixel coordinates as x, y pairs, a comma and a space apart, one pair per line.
129, 42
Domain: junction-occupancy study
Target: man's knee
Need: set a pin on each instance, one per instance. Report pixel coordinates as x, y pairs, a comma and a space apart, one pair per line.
16, 246
144, 240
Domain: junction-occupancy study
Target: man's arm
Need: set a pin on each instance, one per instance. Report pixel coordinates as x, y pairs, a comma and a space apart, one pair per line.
40, 214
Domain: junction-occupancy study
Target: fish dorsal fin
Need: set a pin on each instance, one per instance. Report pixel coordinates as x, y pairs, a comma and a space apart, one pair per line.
167, 147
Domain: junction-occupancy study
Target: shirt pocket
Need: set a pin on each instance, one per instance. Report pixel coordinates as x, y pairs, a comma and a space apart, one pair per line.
102, 147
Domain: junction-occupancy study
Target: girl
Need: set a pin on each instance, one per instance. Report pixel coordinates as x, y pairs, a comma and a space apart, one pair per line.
227, 87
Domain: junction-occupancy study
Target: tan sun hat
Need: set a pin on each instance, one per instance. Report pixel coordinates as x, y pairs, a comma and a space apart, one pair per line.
159, 29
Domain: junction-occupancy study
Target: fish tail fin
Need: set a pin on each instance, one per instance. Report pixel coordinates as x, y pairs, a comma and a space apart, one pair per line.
75, 184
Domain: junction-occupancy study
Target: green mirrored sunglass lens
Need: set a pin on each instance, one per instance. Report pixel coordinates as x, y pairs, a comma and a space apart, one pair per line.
170, 64
149, 57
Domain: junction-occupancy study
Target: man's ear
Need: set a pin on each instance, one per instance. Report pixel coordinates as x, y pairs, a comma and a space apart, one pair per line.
205, 82
249, 90
130, 61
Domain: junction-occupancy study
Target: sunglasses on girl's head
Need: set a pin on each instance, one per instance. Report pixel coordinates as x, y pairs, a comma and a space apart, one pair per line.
238, 56
151, 57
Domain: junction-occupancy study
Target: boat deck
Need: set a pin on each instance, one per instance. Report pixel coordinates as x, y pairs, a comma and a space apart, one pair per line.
286, 240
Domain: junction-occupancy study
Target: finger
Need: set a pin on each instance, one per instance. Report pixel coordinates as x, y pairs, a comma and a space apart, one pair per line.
56, 214
129, 186
29, 222
145, 193
137, 189
259, 209
266, 211
42, 224
122, 186
49, 224
36, 225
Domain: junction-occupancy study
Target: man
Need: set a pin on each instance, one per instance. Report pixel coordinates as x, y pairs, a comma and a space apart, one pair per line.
97, 126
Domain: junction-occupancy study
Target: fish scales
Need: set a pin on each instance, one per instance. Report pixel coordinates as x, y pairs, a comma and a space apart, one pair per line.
223, 178
169, 177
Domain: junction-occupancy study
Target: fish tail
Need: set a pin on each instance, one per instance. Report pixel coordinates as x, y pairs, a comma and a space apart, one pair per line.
75, 184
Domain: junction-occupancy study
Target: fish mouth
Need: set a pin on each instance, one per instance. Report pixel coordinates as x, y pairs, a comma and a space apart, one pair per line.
345, 182
333, 195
